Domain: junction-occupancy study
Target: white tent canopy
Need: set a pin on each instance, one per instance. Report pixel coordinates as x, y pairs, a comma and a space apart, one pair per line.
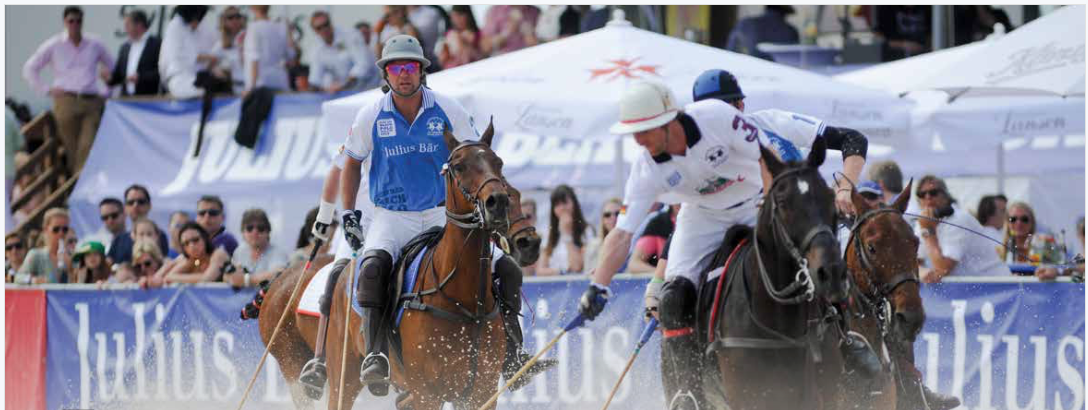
553, 103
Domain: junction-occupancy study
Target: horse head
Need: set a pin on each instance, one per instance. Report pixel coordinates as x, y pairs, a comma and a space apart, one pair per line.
522, 235
798, 213
475, 187
883, 262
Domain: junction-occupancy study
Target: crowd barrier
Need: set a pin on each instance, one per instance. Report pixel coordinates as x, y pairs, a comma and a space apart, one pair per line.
1012, 345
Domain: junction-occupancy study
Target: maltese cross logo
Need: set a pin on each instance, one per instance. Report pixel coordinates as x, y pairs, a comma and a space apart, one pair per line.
623, 68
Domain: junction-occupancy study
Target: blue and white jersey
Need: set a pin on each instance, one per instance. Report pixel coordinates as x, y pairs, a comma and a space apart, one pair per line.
786, 131
406, 158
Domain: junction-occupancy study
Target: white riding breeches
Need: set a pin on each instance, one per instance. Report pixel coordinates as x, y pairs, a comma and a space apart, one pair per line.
699, 233
391, 230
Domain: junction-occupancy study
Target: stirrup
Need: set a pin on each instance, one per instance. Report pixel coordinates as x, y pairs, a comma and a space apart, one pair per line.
378, 384
313, 378
680, 398
862, 357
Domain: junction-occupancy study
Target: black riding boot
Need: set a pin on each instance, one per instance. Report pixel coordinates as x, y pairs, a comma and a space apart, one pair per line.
918, 396
509, 275
857, 353
314, 374
681, 353
372, 295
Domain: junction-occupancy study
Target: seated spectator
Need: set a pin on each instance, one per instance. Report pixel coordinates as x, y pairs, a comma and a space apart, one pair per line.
462, 41
90, 263
991, 214
651, 243
769, 27
136, 70
186, 50
947, 249
871, 192
111, 212
342, 59
364, 29
610, 213
256, 259
267, 48
137, 206
528, 210
1019, 233
509, 28
429, 22
147, 260
146, 229
305, 243
22, 183
199, 260
568, 234
393, 23
904, 29
228, 49
177, 219
558, 21
890, 178
209, 214
51, 262
14, 254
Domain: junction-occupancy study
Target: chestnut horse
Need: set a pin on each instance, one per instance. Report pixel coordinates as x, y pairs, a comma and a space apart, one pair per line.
885, 307
295, 344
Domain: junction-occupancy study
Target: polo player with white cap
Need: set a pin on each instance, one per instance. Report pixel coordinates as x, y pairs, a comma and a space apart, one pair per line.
707, 157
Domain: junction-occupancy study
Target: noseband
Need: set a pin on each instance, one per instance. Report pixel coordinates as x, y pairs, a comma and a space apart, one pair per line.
478, 217
876, 300
802, 282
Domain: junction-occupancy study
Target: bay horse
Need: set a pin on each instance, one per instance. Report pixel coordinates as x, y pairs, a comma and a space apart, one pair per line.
775, 344
885, 304
296, 342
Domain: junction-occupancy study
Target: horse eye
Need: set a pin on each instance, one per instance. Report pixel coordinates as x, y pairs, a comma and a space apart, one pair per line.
872, 249
458, 168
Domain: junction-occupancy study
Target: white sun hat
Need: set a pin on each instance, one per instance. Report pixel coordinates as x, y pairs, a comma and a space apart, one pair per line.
644, 106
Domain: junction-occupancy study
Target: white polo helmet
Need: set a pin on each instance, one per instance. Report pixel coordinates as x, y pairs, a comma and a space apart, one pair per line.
644, 106
402, 47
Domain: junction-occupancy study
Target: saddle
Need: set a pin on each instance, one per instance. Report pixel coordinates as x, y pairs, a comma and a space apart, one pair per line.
407, 269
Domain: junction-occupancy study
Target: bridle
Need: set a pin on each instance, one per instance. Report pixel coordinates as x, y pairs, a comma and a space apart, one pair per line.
477, 219
876, 300
802, 289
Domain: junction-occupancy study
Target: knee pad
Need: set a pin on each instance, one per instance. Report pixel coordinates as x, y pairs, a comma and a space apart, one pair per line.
330, 285
510, 279
677, 307
374, 273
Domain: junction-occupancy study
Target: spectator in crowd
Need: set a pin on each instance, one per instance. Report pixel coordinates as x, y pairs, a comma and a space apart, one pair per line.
90, 263
975, 22
651, 243
14, 143
305, 243
890, 178
146, 261
177, 219
429, 22
228, 49
393, 23
15, 249
137, 68
595, 18
558, 21
22, 183
256, 259
947, 249
904, 29
268, 47
871, 192
137, 206
49, 263
568, 233
186, 50
462, 41
199, 261
991, 214
342, 59
1021, 228
145, 229
610, 213
111, 212
769, 27
77, 60
528, 210
509, 28
209, 214
364, 29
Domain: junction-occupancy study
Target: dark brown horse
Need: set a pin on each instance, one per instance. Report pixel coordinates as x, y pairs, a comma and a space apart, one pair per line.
295, 344
885, 307
775, 348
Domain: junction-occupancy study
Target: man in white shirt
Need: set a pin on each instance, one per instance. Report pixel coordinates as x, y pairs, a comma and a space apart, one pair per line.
342, 59
186, 49
947, 249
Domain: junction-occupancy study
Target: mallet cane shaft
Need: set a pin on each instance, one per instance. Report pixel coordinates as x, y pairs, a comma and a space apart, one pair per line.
647, 332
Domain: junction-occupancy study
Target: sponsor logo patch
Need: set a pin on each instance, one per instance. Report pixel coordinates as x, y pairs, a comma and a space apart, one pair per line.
674, 179
386, 128
716, 155
435, 126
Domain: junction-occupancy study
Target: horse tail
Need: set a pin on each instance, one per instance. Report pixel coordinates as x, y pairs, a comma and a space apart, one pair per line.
252, 310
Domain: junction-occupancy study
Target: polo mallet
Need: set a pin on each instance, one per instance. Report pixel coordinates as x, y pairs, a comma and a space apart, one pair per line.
647, 333
347, 323
575, 323
283, 316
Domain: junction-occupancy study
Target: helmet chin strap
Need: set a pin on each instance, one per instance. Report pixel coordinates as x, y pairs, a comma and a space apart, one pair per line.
403, 95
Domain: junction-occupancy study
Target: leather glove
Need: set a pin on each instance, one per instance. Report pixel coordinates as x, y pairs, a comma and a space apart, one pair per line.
324, 219
353, 232
653, 297
593, 300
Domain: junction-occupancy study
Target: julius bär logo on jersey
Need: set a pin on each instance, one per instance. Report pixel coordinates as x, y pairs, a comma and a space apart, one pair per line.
716, 155
386, 128
435, 126
719, 184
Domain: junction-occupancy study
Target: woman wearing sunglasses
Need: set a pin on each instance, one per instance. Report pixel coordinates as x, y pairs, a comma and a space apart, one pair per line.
14, 254
610, 213
52, 261
199, 261
256, 259
1020, 229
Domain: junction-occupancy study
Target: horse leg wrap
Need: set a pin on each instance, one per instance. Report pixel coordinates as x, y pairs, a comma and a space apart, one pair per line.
681, 355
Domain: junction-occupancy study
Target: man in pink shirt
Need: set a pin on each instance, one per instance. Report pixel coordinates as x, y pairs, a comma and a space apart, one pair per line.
509, 28
77, 61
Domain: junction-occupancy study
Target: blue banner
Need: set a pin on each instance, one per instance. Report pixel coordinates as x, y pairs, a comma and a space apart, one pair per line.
998, 346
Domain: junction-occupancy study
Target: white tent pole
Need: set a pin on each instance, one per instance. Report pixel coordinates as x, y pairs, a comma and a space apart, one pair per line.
1000, 168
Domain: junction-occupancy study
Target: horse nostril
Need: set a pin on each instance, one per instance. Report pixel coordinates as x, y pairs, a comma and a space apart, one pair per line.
522, 243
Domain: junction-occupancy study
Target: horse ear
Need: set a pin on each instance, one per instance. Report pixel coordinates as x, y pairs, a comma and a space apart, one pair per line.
451, 141
489, 132
817, 154
770, 160
904, 197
